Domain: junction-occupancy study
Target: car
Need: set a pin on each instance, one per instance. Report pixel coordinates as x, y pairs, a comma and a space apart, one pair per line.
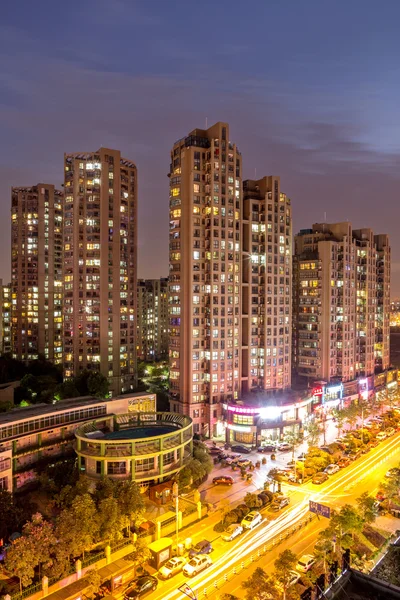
215, 451
285, 447
373, 444
279, 503
331, 469
365, 449
233, 531
390, 431
251, 520
292, 578
326, 449
223, 479
196, 565
141, 587
268, 448
381, 436
241, 449
319, 478
344, 462
202, 547
354, 455
392, 473
172, 567
302, 456
305, 563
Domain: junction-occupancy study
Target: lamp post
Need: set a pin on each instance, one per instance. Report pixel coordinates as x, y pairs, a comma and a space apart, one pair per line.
175, 493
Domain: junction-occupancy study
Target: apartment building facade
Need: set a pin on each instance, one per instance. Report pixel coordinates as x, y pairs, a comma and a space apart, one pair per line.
100, 266
266, 286
5, 318
36, 272
336, 311
152, 319
205, 275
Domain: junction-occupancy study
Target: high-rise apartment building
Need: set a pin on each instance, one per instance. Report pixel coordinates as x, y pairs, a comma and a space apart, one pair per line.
100, 266
5, 318
267, 286
341, 302
36, 272
205, 275
152, 319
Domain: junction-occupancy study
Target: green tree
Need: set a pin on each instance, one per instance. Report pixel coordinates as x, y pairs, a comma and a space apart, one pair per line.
98, 385
130, 502
252, 501
366, 507
351, 415
11, 515
313, 433
78, 525
39, 533
71, 491
347, 520
340, 416
110, 520
141, 553
260, 586
66, 390
21, 560
284, 564
93, 579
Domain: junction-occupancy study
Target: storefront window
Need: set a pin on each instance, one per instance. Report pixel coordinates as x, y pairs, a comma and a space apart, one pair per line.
243, 419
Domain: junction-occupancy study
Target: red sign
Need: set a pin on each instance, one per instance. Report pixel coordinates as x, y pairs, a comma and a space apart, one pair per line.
318, 391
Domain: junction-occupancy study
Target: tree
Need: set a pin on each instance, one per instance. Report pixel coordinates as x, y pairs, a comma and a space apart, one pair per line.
98, 385
78, 526
351, 415
93, 578
366, 506
66, 390
260, 586
141, 553
252, 501
21, 560
347, 520
284, 564
130, 501
313, 433
69, 492
11, 515
340, 416
39, 533
110, 520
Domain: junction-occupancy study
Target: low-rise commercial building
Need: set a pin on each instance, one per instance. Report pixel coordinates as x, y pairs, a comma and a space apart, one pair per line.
144, 447
35, 436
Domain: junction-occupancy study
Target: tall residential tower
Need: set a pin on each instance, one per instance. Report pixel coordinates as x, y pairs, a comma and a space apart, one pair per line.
341, 302
152, 319
36, 272
205, 275
100, 266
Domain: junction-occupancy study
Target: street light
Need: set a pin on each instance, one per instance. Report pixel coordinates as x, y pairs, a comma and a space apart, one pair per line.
175, 493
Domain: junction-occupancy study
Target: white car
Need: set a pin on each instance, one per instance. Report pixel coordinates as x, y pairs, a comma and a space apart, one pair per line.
381, 436
197, 564
284, 447
233, 531
331, 469
251, 520
293, 577
172, 567
305, 563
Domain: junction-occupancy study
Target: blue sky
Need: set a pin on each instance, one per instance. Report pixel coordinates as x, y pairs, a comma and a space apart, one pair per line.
310, 90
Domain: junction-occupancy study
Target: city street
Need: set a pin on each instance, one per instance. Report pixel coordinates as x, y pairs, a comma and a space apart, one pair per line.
344, 487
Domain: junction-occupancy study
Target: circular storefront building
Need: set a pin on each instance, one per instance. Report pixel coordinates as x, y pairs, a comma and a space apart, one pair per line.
144, 447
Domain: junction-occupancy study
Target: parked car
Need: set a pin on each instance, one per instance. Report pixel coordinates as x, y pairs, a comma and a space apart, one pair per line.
141, 587
331, 469
302, 456
305, 563
196, 565
390, 431
279, 503
292, 579
344, 462
381, 436
202, 547
251, 520
215, 451
319, 478
223, 479
373, 443
284, 447
392, 473
241, 449
380, 496
172, 567
265, 449
365, 449
233, 531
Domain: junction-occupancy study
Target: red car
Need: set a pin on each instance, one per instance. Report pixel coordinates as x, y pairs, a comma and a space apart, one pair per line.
381, 496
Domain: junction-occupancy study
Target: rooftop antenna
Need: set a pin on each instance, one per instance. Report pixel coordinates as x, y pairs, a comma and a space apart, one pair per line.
206, 122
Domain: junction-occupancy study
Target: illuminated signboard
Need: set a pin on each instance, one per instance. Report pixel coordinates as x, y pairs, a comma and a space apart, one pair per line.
240, 428
318, 391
